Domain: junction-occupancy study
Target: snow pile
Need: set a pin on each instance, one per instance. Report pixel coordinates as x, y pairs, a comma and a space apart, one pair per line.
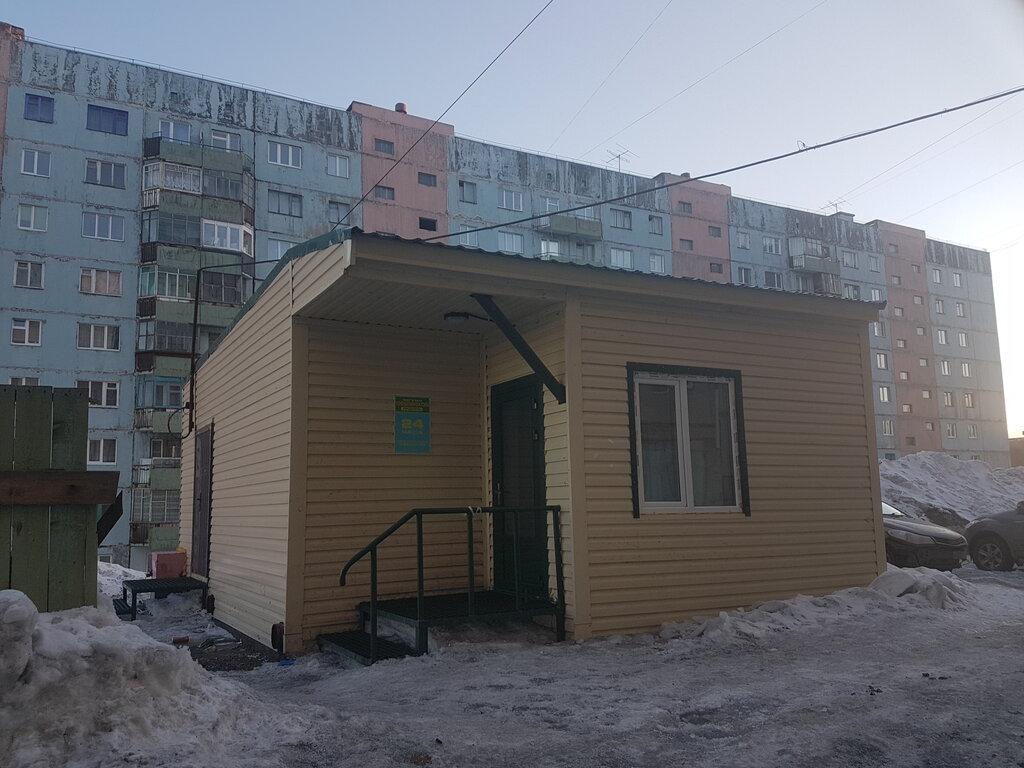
899, 589
110, 576
949, 490
78, 683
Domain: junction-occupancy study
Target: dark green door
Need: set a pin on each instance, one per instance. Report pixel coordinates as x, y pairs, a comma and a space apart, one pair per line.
517, 448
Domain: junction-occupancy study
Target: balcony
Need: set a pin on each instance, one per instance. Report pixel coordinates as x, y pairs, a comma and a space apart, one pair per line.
140, 475
158, 420
568, 224
196, 153
816, 264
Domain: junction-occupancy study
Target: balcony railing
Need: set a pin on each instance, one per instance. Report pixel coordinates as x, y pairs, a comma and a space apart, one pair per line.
819, 264
570, 224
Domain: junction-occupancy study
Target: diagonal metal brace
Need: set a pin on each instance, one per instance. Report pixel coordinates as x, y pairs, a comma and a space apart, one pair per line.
486, 303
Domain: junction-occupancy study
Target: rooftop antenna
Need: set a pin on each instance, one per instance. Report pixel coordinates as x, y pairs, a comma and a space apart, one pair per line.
834, 205
619, 156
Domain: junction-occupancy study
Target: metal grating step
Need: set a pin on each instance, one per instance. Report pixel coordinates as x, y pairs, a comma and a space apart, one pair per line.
121, 607
356, 645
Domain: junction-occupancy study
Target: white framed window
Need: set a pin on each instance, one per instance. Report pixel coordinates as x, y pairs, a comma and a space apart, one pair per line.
940, 307
102, 226
468, 239
950, 429
172, 130
896, 280
743, 240
25, 332
167, 394
511, 200
888, 428
919, 300
972, 431
232, 142
936, 275
876, 294
961, 338
384, 193
183, 178
897, 312
32, 217
285, 203
102, 394
906, 408
881, 361
277, 248
849, 259
35, 162
884, 394
929, 426
105, 173
685, 207
878, 328
685, 440
550, 204
851, 291
230, 237
944, 367
467, 192
920, 330
958, 280
922, 362
92, 336
915, 268
901, 343
28, 274
549, 248
772, 244
510, 242
152, 506
685, 244
965, 369
620, 258
904, 375
284, 154
621, 219
656, 224
942, 336
773, 279
172, 283
968, 400
658, 264
960, 309
714, 231
338, 165
103, 282
745, 276
384, 146
24, 381
947, 399
926, 394
337, 211
874, 263
426, 179
165, 448
103, 450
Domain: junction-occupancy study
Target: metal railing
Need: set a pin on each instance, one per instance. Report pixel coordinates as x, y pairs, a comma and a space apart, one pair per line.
469, 513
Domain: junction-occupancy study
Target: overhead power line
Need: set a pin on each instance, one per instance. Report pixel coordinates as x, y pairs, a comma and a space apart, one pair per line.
744, 166
441, 116
961, 191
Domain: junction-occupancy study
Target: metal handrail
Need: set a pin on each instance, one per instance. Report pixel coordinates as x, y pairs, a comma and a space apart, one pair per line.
469, 511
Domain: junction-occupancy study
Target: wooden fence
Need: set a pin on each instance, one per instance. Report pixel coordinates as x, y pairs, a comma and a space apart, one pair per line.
48, 502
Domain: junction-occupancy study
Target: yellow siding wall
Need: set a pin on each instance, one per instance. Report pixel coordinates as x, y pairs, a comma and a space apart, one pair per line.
357, 486
245, 389
545, 333
809, 446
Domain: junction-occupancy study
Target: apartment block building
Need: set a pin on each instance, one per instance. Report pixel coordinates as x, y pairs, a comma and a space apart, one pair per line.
139, 207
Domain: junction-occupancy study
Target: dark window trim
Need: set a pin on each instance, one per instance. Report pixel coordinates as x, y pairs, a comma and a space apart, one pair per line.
40, 99
685, 370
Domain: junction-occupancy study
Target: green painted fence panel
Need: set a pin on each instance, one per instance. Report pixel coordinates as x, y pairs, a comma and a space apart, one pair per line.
6, 463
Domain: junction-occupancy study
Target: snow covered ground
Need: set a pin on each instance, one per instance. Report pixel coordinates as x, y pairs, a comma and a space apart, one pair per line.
920, 669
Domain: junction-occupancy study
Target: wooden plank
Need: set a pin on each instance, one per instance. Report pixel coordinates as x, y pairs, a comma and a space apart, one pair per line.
6, 463
52, 487
30, 530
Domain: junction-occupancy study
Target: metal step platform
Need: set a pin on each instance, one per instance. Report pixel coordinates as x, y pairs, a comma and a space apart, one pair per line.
356, 645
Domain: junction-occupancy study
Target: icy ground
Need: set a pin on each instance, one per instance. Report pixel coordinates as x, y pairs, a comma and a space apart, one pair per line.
921, 669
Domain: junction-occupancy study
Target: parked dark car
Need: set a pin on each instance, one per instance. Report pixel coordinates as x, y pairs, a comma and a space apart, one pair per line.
910, 543
996, 543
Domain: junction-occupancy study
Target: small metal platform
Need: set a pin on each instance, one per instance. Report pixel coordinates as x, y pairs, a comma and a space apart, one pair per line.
160, 588
356, 645
457, 608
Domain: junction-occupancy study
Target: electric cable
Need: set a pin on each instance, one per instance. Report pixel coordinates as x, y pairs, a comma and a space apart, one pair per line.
961, 191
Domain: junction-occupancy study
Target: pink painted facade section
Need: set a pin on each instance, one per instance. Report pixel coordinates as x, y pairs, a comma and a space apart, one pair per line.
414, 200
697, 210
9, 37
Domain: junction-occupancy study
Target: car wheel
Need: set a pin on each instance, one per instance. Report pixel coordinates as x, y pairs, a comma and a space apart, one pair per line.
990, 553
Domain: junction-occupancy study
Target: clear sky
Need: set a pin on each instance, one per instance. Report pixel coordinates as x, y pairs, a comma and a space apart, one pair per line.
807, 71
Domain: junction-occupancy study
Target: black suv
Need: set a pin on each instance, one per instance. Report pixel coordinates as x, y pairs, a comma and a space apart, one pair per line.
996, 543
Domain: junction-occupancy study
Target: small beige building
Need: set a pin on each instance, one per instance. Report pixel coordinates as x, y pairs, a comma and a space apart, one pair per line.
707, 446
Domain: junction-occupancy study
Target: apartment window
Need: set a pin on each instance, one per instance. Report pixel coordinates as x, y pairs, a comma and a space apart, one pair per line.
876, 294
105, 174
167, 394
685, 207
656, 225
968, 400
897, 312
920, 330
231, 237
165, 448
745, 276
227, 184
958, 280
715, 267
940, 307
849, 259
38, 108
277, 248
773, 279
102, 394
161, 336
687, 443
232, 142
622, 219
32, 217
35, 162
874, 263
962, 338
173, 284
92, 336
743, 240
428, 225
658, 264
960, 312
510, 242
922, 362
972, 431
919, 300
467, 192
28, 274
910, 440
904, 375
906, 408
926, 394
901, 343
511, 200
965, 369
929, 426
102, 226
107, 120
150, 506
947, 399
103, 450
714, 231
384, 193
685, 244
427, 179
915, 268
338, 165
284, 154
888, 428
772, 244
549, 248
878, 328
881, 361
621, 258
184, 178
944, 367
384, 146
26, 332
943, 337
893, 248
896, 280
467, 238
950, 429
936, 275
851, 291
24, 381
337, 211
285, 203
172, 130
221, 288
103, 282
883, 394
